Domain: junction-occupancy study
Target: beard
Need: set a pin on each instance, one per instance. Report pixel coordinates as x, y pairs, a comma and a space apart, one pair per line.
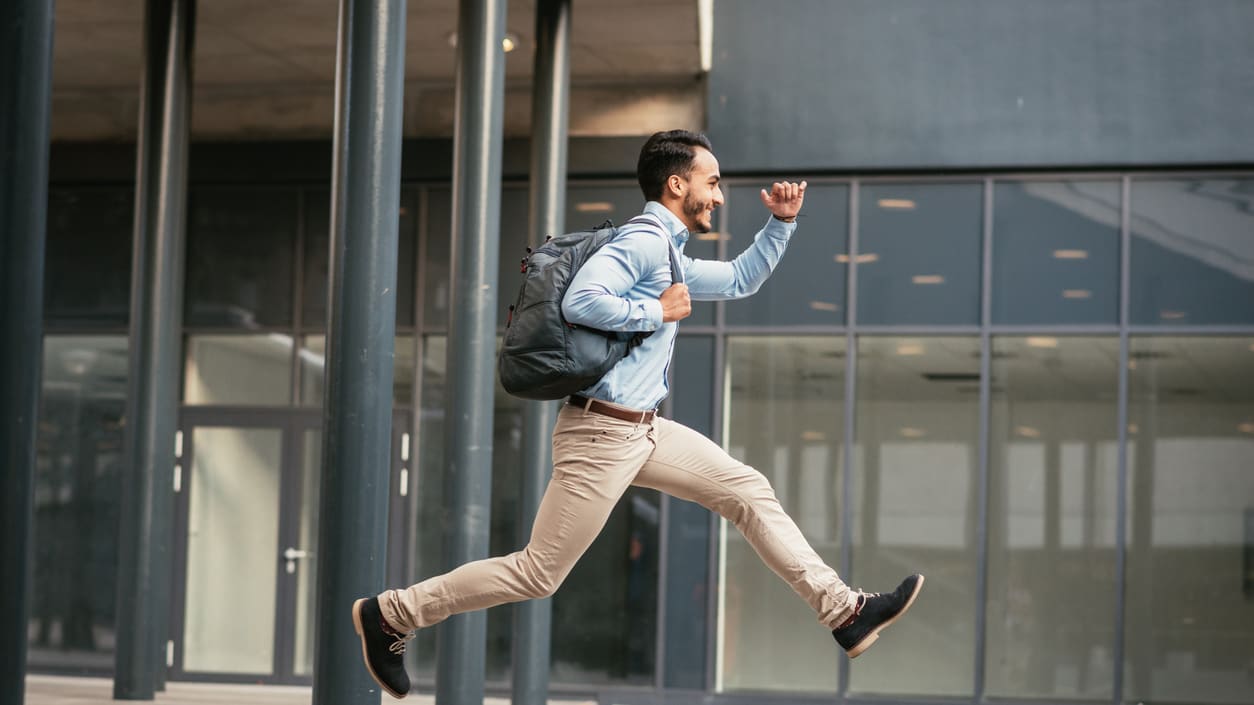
693, 210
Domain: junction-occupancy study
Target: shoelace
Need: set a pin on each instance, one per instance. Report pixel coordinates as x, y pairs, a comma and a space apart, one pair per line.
398, 647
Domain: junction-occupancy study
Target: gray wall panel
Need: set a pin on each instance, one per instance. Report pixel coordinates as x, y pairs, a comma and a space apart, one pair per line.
867, 84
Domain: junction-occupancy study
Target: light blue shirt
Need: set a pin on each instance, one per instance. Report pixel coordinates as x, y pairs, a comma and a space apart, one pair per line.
617, 289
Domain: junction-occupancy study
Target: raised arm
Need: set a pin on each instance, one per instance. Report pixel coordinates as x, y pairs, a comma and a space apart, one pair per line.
710, 280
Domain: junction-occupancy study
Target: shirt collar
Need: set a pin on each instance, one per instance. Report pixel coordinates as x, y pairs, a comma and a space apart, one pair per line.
674, 226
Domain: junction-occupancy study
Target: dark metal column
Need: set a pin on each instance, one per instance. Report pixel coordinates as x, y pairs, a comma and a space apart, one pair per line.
472, 330
357, 409
25, 97
156, 324
550, 96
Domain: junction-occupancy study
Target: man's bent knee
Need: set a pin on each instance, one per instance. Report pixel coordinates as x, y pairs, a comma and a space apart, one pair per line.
743, 495
537, 578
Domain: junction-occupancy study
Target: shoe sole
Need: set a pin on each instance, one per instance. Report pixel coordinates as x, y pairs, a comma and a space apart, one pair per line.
874, 636
365, 657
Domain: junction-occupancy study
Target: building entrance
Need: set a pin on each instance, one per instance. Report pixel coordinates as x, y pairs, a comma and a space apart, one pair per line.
246, 553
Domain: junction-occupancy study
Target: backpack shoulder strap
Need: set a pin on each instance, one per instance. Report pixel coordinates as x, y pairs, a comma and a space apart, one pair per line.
677, 270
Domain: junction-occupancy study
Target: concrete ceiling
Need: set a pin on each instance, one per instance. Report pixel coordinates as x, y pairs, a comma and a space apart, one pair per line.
266, 70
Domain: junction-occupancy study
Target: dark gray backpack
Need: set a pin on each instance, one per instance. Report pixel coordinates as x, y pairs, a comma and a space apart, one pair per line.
543, 356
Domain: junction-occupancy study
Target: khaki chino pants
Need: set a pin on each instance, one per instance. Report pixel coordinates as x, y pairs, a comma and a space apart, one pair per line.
595, 459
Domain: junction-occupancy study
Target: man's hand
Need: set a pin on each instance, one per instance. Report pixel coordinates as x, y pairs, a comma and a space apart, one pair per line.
676, 305
784, 200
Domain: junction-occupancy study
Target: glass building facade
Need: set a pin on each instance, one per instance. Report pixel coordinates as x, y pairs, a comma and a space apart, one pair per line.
1037, 390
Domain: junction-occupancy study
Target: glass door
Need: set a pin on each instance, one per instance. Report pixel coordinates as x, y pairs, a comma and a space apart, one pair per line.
247, 542
230, 499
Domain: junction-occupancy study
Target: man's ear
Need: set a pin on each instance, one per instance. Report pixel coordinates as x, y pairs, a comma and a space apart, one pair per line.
675, 185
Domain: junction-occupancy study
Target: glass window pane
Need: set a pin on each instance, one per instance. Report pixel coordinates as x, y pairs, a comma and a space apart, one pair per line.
239, 257
238, 369
232, 542
1190, 581
808, 285
313, 370
916, 467
1192, 252
604, 615
919, 255
88, 257
1053, 460
1056, 252
785, 418
317, 253
78, 475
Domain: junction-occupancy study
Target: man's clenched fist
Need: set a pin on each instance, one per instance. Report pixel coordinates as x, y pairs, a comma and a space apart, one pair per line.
676, 305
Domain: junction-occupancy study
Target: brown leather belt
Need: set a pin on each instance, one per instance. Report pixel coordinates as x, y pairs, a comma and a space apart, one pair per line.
599, 407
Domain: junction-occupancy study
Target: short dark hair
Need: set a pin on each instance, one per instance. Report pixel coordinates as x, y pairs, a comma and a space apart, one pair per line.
666, 153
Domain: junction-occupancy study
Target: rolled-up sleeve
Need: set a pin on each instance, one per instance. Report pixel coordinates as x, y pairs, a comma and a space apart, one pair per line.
598, 296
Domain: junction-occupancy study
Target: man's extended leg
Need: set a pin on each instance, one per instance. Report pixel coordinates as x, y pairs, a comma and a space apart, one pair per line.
687, 465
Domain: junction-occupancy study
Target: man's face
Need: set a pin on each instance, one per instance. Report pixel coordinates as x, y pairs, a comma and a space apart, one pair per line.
703, 194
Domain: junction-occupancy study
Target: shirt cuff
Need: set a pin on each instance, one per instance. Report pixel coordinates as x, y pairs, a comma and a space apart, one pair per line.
778, 229
652, 310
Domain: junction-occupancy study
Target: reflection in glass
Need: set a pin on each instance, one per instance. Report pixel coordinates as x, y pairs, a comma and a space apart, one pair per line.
784, 418
239, 369
232, 541
914, 506
78, 469
919, 256
313, 370
808, 285
1056, 252
604, 615
239, 257
1192, 252
1053, 464
1190, 587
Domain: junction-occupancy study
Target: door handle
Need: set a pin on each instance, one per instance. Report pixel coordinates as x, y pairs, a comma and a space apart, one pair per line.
291, 555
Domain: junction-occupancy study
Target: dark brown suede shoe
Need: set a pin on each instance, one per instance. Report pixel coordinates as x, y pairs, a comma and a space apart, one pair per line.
382, 648
875, 611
